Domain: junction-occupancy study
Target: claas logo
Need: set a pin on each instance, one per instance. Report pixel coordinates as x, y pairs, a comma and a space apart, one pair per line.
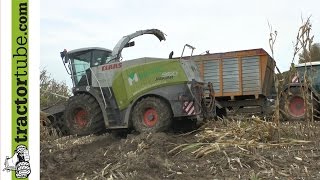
111, 66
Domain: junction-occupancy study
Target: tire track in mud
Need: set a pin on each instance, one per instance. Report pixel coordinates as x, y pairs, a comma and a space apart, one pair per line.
145, 156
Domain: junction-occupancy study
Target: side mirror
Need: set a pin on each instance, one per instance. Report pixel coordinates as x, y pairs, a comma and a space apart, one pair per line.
129, 44
64, 56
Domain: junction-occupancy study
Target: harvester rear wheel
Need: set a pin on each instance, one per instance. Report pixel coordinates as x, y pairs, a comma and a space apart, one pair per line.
83, 115
293, 106
151, 114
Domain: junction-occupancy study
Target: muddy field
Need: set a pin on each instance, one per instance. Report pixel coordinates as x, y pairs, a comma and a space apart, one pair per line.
223, 149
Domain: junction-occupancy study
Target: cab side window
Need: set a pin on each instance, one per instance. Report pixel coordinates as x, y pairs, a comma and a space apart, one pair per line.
99, 57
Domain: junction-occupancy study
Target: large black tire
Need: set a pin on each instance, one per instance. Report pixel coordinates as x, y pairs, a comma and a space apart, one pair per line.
151, 114
23, 169
293, 106
83, 115
60, 125
221, 113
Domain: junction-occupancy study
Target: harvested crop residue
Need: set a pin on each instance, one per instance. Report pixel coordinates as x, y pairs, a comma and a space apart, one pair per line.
224, 149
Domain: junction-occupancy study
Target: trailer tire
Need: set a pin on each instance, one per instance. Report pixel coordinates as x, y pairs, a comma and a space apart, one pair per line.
83, 115
151, 114
292, 105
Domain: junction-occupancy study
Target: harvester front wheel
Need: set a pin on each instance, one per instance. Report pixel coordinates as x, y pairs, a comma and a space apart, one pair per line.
83, 115
151, 114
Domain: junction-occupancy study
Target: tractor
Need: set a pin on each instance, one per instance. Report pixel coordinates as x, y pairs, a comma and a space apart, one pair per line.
300, 98
146, 94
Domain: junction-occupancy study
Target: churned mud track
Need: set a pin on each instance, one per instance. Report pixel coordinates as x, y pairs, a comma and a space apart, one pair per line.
74, 157
213, 152
64, 158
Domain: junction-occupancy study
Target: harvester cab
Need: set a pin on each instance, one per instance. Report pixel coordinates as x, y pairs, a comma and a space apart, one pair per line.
146, 94
80, 62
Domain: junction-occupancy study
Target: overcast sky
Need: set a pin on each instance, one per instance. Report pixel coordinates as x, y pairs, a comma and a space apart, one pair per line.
218, 26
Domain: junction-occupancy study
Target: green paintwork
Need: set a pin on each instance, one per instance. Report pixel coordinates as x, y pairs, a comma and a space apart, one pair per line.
136, 80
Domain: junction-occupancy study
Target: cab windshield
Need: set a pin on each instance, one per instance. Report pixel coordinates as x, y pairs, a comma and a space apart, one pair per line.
312, 75
311, 71
82, 61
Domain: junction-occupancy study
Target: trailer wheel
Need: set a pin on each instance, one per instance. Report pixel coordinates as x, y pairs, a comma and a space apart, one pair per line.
83, 115
151, 114
293, 106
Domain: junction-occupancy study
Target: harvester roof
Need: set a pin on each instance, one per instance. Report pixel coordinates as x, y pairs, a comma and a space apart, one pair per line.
87, 48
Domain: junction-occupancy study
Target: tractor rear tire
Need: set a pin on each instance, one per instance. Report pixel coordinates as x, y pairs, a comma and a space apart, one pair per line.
151, 114
293, 106
83, 115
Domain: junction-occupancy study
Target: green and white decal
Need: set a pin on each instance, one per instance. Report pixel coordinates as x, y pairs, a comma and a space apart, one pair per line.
135, 81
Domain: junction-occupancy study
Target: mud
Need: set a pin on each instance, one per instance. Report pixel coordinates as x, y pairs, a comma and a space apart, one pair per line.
146, 156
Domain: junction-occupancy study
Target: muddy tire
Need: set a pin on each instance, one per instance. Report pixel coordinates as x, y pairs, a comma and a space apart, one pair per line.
60, 125
151, 114
83, 115
221, 113
293, 106
23, 169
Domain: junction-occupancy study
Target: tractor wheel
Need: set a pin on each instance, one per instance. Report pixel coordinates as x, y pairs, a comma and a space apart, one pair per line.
83, 115
151, 114
60, 126
221, 113
23, 169
293, 106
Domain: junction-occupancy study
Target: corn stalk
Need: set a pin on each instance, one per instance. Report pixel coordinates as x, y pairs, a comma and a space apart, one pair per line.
304, 42
276, 117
